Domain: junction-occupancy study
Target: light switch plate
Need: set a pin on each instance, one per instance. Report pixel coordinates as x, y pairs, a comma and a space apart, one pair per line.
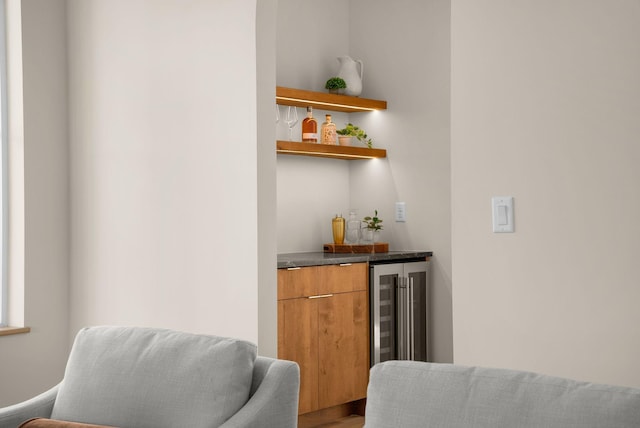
502, 211
401, 212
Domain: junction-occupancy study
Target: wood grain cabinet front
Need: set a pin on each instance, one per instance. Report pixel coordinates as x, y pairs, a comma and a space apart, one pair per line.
323, 325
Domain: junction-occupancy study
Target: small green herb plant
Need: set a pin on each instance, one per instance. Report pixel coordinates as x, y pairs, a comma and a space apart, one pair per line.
335, 83
354, 131
373, 223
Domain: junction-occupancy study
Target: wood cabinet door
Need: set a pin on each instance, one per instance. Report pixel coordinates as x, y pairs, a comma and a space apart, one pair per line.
323, 325
343, 348
298, 341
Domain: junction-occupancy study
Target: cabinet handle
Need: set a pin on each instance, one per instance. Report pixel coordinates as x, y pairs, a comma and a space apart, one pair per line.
294, 268
345, 264
320, 296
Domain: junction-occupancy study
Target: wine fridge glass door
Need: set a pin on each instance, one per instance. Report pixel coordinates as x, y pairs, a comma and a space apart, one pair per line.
399, 298
383, 313
417, 274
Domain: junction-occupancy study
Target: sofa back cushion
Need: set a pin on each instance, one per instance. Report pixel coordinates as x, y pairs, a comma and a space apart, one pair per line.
140, 377
414, 394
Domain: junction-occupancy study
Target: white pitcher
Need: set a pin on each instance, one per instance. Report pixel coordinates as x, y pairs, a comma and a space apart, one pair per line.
349, 72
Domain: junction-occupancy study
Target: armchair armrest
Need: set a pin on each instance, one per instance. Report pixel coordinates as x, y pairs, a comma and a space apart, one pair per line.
274, 398
39, 406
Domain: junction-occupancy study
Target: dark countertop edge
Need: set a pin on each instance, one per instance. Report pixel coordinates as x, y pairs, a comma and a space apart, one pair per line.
292, 260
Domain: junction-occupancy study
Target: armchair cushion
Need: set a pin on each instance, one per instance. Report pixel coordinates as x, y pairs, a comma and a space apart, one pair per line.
154, 378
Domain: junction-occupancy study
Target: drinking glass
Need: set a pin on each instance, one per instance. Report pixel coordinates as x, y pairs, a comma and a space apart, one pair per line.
291, 118
277, 113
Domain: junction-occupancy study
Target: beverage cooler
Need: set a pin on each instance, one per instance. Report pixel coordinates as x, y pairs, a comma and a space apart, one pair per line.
399, 303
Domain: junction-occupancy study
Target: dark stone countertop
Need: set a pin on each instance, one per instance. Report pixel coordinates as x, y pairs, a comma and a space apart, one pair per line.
290, 260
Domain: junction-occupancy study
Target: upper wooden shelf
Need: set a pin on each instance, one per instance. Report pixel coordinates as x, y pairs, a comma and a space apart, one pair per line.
328, 151
326, 101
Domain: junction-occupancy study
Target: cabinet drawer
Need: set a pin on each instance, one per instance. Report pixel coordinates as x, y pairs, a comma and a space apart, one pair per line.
342, 278
298, 282
317, 280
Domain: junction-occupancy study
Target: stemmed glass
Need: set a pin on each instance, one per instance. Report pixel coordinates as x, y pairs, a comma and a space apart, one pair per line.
291, 118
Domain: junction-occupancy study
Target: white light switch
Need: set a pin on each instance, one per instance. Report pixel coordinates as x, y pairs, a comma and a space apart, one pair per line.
401, 212
503, 218
502, 210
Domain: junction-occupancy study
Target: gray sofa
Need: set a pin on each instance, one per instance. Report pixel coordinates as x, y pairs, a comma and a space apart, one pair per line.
154, 378
414, 394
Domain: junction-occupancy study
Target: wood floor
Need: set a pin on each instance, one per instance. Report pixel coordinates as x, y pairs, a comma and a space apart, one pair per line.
346, 422
346, 415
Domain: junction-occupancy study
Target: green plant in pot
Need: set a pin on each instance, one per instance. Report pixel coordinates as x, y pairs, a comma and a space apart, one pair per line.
335, 85
373, 223
373, 227
353, 131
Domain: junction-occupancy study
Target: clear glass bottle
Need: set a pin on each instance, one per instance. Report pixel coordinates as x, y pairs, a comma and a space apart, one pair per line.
309, 127
353, 228
328, 132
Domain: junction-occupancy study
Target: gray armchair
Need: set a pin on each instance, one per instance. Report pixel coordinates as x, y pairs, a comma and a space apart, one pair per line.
152, 378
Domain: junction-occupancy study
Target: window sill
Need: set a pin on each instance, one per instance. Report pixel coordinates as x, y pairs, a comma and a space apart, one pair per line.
5, 331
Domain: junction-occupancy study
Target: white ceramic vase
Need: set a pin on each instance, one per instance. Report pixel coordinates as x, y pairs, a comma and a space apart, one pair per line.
352, 77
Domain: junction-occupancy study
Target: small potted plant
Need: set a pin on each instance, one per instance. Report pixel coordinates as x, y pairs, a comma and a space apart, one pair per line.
373, 227
335, 85
345, 134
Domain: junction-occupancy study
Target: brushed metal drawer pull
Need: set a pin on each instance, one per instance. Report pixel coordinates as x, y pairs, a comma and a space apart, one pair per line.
345, 264
320, 296
294, 268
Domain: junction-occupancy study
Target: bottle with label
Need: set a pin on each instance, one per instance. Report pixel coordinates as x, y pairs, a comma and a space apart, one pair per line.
309, 127
328, 132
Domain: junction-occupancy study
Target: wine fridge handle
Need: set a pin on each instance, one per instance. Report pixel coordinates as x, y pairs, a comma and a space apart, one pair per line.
412, 344
400, 318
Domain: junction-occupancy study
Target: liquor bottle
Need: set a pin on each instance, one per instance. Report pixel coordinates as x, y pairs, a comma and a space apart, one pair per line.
309, 127
328, 132
337, 226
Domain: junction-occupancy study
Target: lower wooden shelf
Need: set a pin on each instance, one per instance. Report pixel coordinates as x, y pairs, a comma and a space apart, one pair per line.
327, 151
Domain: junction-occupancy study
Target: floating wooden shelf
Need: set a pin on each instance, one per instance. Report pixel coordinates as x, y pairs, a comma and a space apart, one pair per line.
326, 151
326, 101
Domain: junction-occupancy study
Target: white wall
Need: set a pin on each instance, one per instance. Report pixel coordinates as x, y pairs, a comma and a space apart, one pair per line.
408, 65
34, 362
545, 107
310, 192
406, 62
163, 164
267, 211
